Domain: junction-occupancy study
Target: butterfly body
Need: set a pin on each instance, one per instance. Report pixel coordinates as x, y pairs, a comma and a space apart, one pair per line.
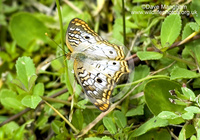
98, 64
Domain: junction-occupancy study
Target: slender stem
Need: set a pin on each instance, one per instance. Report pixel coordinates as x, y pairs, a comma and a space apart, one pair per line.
180, 60
50, 73
188, 38
172, 134
103, 114
62, 43
75, 130
96, 28
74, 7
61, 26
55, 100
124, 23
141, 80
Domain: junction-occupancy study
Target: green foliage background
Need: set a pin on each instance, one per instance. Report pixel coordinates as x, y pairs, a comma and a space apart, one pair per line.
160, 101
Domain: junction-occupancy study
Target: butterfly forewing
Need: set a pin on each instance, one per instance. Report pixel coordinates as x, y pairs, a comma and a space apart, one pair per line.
80, 38
98, 65
78, 33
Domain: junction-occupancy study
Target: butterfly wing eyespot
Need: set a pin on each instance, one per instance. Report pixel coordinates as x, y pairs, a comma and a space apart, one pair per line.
98, 64
87, 37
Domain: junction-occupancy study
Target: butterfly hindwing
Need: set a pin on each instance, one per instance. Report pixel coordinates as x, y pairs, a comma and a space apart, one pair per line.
96, 85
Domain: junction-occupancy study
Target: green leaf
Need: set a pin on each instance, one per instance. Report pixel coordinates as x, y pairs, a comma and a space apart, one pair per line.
195, 6
89, 118
193, 138
188, 116
180, 73
82, 103
188, 93
5, 93
150, 124
26, 71
180, 95
149, 55
194, 26
120, 119
31, 101
56, 64
187, 30
190, 130
196, 52
93, 138
156, 134
153, 23
139, 16
42, 120
141, 71
182, 135
10, 127
180, 102
100, 129
78, 119
106, 138
192, 48
3, 20
170, 30
19, 84
193, 109
186, 132
31, 82
3, 118
171, 117
12, 103
26, 29
139, 110
19, 134
156, 93
38, 89
118, 31
167, 115
56, 126
110, 126
198, 129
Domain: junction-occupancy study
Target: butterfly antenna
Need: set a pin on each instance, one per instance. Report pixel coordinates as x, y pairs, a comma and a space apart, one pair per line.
56, 43
54, 59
